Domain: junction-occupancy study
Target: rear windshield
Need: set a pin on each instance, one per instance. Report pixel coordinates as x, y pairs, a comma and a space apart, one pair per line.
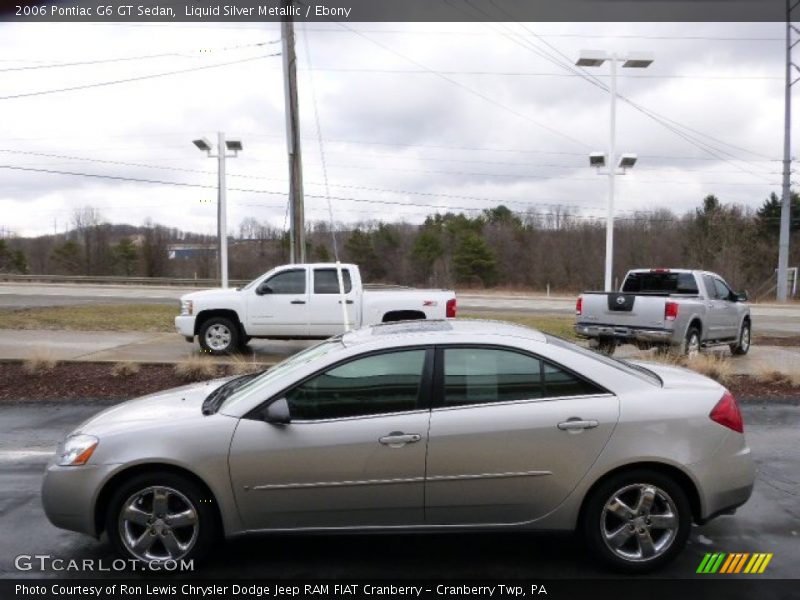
631, 369
673, 283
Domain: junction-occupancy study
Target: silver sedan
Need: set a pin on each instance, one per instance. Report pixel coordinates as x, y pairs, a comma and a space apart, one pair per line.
428, 425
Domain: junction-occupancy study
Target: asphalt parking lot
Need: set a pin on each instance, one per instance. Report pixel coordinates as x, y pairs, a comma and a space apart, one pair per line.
769, 522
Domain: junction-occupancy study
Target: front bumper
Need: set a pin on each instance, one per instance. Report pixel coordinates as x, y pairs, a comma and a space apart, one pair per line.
185, 326
69, 495
628, 334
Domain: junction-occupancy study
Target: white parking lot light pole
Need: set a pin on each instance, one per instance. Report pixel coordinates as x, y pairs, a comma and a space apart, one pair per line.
596, 58
234, 146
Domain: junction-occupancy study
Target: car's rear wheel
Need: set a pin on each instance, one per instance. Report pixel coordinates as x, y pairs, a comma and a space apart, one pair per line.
691, 344
607, 345
742, 346
637, 521
161, 517
219, 335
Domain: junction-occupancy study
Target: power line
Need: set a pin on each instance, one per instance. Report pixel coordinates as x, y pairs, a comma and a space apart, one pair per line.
125, 58
139, 78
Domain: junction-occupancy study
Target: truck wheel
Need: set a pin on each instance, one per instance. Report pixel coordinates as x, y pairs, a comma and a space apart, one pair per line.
691, 345
607, 345
218, 336
742, 347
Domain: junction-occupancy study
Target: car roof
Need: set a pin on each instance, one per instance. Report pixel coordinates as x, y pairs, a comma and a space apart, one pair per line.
440, 331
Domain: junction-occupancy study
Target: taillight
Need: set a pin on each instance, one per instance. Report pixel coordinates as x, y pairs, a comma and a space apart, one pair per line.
579, 306
727, 413
451, 309
670, 310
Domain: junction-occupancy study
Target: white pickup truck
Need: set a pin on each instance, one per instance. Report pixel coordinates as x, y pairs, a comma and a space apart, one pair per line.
301, 301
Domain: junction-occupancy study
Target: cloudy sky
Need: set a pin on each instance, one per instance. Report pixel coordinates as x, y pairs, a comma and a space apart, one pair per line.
413, 117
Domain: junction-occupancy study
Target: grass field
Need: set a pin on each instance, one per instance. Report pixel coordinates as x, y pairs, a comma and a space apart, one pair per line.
560, 326
93, 317
159, 318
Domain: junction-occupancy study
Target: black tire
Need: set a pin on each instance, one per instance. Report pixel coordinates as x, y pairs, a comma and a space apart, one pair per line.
742, 345
691, 340
597, 522
607, 346
226, 342
199, 538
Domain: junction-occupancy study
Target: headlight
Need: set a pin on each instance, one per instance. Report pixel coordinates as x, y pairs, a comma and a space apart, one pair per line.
77, 449
186, 307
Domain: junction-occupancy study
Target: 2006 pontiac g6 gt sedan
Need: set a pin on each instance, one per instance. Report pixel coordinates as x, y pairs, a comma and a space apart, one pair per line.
426, 425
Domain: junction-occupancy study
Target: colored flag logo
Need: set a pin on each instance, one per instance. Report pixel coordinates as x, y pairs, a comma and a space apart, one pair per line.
737, 562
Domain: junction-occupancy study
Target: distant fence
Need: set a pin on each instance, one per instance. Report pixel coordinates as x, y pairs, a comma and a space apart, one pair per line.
165, 281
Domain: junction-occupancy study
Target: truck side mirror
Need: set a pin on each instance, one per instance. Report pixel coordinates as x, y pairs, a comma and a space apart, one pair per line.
277, 413
263, 289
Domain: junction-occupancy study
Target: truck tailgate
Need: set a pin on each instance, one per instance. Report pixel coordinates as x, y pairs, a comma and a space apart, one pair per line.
626, 310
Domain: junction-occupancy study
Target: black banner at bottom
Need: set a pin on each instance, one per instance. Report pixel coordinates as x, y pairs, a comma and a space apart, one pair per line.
170, 589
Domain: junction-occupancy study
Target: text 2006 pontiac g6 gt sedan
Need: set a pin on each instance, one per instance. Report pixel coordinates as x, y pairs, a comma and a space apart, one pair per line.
427, 425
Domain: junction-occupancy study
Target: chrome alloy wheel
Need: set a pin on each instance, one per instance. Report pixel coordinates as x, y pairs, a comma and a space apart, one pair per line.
639, 522
158, 524
218, 337
744, 342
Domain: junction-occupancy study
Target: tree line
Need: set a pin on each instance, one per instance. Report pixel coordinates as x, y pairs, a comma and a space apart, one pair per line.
561, 249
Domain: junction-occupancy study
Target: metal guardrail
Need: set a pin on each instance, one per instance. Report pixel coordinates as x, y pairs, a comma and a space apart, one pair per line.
165, 281
119, 280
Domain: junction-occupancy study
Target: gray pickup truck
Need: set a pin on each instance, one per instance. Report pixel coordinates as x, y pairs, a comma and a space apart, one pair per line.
680, 309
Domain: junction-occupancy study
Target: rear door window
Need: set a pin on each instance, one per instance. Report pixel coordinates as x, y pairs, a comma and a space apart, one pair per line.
327, 282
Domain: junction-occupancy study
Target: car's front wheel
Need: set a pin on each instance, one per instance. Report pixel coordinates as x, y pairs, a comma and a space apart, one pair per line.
161, 517
637, 521
742, 345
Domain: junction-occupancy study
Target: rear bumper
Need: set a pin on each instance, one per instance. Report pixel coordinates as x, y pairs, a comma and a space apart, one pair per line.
654, 336
726, 479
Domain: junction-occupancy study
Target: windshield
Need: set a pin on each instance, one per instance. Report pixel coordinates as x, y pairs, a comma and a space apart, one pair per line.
284, 367
635, 370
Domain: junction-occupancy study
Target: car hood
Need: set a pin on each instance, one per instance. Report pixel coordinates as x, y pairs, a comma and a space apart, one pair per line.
215, 294
677, 377
179, 403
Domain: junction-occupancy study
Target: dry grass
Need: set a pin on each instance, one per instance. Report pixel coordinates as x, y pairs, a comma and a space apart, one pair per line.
768, 375
241, 365
93, 317
197, 368
715, 366
125, 369
41, 362
718, 368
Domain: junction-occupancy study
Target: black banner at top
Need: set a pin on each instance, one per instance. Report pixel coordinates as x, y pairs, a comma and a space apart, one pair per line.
183, 11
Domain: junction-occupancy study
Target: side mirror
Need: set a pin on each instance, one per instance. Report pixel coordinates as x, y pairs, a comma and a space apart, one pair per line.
277, 413
741, 296
263, 289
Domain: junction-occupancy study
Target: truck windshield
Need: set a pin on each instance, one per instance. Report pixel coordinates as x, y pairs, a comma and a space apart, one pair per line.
660, 281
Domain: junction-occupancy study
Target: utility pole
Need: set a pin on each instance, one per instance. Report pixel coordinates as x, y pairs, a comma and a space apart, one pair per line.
297, 227
786, 196
612, 172
222, 212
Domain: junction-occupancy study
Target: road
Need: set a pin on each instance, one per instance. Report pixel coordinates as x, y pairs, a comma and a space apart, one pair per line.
769, 319
769, 522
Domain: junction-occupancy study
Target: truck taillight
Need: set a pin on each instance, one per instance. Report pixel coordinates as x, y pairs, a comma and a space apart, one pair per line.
671, 310
727, 413
579, 306
451, 309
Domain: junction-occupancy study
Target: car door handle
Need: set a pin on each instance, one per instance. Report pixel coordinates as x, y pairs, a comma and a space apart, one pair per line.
346, 301
398, 438
576, 424
298, 302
